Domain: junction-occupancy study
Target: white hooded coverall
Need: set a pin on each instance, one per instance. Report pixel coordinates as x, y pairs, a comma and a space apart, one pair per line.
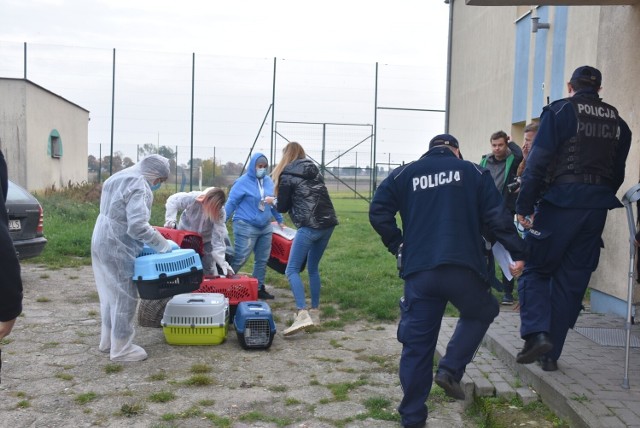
121, 230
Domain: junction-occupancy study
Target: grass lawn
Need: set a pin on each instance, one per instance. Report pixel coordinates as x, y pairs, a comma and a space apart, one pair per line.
359, 276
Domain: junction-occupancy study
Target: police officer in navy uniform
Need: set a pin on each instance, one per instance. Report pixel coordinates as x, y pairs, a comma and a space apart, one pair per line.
443, 203
574, 169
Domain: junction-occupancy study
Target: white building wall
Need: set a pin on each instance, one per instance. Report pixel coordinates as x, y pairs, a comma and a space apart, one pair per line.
13, 131
28, 114
45, 113
481, 76
618, 54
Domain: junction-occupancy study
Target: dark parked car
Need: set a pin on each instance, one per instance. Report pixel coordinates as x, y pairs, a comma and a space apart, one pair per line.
25, 222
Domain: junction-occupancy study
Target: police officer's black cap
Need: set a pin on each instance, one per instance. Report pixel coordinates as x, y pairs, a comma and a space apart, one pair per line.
588, 75
444, 140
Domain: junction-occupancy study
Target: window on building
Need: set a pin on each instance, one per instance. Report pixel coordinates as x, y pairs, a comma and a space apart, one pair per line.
55, 144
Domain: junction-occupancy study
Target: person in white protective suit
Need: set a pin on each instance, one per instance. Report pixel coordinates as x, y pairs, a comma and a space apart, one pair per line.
121, 230
203, 212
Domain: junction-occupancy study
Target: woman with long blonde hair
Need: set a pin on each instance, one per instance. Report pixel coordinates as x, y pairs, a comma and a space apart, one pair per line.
291, 152
301, 192
203, 212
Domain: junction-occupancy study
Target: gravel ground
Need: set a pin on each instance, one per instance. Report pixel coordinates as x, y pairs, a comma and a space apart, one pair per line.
54, 376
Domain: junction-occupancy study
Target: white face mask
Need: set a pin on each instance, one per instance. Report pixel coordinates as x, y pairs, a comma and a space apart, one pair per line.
261, 172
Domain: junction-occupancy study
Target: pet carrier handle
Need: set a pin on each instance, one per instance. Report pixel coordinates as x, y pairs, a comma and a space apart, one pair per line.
196, 299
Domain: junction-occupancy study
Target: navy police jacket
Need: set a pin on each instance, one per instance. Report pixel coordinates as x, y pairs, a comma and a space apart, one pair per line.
443, 203
558, 124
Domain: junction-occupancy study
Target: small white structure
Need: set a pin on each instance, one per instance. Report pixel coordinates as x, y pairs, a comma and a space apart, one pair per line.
42, 135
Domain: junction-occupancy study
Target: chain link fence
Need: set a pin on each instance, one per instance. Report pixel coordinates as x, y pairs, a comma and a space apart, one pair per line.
208, 113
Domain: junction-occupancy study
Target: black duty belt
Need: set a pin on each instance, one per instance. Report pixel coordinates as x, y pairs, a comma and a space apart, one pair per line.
583, 178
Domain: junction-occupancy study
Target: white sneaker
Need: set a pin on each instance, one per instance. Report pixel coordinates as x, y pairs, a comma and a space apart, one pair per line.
314, 313
303, 320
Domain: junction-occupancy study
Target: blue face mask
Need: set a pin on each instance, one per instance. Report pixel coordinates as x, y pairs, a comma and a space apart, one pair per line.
155, 187
261, 172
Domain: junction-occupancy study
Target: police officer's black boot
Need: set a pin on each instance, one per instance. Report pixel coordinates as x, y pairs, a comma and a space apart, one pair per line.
547, 364
451, 387
536, 345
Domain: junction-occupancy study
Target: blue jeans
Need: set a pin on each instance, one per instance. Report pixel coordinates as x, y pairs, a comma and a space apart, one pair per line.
249, 238
310, 244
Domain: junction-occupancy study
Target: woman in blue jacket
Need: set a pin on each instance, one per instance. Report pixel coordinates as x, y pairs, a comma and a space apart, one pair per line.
251, 205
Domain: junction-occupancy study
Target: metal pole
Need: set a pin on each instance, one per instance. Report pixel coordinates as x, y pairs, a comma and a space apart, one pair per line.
338, 180
631, 196
448, 85
324, 141
273, 114
193, 76
374, 176
176, 168
627, 324
25, 60
355, 183
100, 164
113, 97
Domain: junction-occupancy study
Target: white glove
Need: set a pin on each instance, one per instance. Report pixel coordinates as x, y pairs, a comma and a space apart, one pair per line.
226, 269
159, 244
170, 224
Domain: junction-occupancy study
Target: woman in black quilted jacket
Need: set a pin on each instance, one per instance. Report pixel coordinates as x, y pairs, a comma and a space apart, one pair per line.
301, 192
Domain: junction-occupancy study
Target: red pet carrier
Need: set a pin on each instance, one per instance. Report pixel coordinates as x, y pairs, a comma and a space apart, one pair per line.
281, 242
236, 288
185, 239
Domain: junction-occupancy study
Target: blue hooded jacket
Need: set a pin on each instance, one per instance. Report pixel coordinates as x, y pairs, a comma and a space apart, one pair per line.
244, 198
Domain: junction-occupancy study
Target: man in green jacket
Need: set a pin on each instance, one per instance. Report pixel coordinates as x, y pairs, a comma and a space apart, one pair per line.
503, 162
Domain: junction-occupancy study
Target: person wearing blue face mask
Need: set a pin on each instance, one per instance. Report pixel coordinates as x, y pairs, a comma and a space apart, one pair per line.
121, 230
251, 205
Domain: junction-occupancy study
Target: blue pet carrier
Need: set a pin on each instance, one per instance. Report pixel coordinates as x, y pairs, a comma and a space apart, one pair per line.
147, 250
159, 276
254, 325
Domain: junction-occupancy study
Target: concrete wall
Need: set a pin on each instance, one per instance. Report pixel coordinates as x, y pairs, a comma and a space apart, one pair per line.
28, 115
618, 53
482, 93
13, 130
46, 112
481, 76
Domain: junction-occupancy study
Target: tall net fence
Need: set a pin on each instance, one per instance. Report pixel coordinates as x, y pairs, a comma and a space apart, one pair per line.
207, 113
343, 152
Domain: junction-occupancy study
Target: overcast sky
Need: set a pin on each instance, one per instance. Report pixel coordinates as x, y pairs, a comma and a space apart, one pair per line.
410, 34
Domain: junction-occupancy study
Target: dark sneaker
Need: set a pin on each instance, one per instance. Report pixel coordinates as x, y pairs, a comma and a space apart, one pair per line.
451, 386
264, 295
534, 347
507, 299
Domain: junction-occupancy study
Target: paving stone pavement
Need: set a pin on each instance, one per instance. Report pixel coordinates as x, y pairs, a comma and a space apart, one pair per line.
586, 391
